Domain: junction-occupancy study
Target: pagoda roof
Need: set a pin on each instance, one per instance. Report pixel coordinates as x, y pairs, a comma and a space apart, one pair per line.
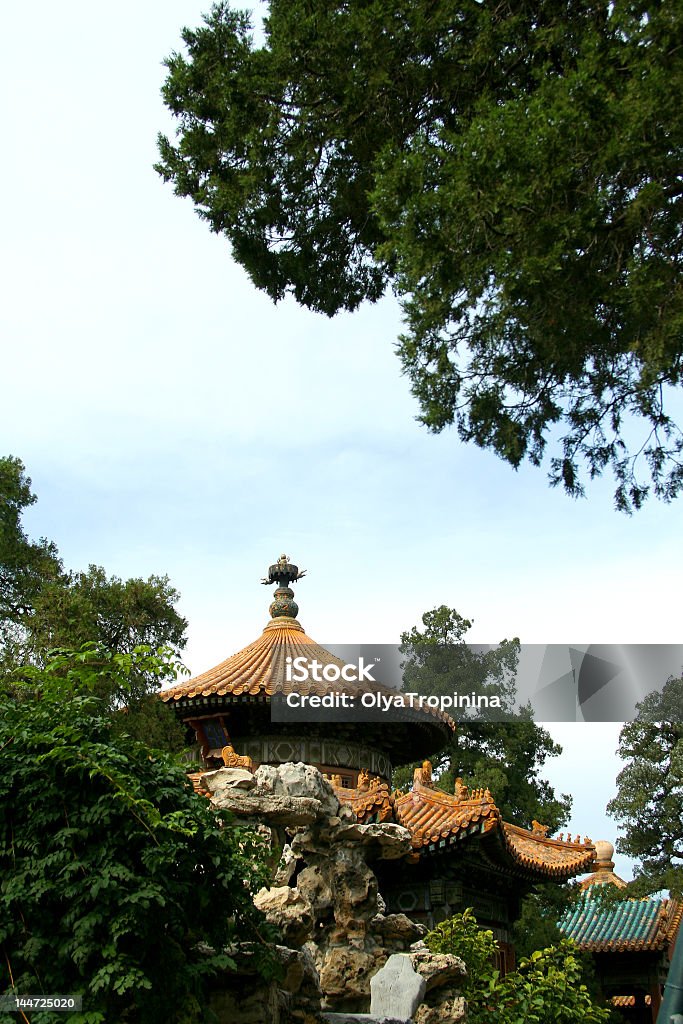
258, 670
633, 925
627, 925
437, 820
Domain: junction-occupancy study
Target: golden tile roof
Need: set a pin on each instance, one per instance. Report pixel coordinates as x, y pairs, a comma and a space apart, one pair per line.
195, 779
371, 801
259, 670
555, 858
435, 817
438, 820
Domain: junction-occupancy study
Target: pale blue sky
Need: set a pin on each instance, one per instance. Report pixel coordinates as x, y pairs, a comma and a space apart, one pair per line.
174, 421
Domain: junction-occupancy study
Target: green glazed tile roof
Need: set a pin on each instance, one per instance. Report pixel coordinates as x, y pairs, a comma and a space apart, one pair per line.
629, 925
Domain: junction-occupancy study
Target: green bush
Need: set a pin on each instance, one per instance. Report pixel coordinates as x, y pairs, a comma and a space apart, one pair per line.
117, 881
546, 988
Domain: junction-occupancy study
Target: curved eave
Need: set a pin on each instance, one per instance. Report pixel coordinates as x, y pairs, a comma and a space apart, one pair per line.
438, 820
551, 858
256, 670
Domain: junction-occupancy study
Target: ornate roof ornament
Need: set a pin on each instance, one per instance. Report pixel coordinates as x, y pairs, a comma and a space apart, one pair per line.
283, 572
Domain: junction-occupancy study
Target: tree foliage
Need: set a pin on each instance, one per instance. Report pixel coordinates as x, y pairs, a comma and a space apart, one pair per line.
117, 881
44, 607
507, 756
649, 801
25, 566
546, 986
512, 169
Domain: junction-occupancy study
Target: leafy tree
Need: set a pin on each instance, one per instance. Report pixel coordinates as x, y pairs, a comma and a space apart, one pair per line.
117, 881
25, 566
506, 756
537, 925
44, 607
512, 169
546, 986
649, 801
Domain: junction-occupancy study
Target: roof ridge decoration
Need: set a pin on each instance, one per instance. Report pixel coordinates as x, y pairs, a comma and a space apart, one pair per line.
603, 869
283, 572
437, 820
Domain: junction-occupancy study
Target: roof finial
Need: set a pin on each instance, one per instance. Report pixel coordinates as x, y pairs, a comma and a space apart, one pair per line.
283, 572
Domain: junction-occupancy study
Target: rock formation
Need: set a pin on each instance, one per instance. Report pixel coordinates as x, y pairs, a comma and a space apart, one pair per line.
324, 898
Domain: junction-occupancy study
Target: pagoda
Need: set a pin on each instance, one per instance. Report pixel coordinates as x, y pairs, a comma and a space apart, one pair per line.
629, 940
463, 852
230, 705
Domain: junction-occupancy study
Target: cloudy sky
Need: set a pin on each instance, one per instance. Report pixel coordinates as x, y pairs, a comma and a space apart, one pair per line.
174, 421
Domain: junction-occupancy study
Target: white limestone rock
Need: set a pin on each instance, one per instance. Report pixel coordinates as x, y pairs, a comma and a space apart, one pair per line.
227, 778
286, 867
385, 841
397, 990
298, 780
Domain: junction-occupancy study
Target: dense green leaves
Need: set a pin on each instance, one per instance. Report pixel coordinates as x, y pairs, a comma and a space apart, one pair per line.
512, 169
25, 566
546, 986
506, 756
649, 802
116, 880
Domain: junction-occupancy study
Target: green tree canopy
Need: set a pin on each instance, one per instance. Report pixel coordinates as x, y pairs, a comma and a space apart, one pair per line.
44, 606
507, 756
649, 801
117, 881
25, 566
512, 169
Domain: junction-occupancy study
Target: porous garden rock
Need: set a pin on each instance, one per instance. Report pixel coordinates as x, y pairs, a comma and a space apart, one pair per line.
443, 974
438, 969
273, 809
324, 897
290, 912
227, 778
241, 996
298, 780
286, 866
398, 928
451, 1011
345, 976
386, 841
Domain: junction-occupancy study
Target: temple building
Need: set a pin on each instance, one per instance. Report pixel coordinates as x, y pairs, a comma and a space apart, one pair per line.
463, 853
630, 941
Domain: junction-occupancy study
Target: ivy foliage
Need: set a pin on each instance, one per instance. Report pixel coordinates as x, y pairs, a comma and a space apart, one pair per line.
505, 756
546, 987
117, 881
511, 169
